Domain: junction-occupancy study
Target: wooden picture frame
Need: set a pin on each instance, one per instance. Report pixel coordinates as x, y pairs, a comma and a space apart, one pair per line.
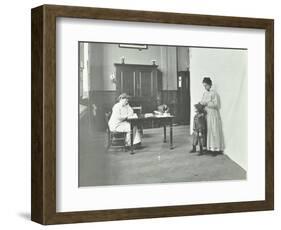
43, 160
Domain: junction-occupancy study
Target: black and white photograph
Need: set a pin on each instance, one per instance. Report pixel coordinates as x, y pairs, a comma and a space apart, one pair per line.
152, 114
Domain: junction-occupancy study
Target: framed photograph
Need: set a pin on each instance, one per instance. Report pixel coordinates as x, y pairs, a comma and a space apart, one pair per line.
139, 114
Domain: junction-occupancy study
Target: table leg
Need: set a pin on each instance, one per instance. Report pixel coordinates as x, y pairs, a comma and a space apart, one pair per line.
132, 138
171, 134
164, 127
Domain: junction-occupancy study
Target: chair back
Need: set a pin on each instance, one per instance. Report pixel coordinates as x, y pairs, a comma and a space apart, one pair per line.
137, 109
107, 116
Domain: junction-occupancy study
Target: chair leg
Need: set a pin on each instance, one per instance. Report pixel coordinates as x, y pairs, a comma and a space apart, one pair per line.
141, 131
124, 143
108, 140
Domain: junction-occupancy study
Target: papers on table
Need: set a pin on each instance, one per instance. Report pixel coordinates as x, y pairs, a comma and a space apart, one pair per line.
163, 115
159, 114
148, 115
133, 116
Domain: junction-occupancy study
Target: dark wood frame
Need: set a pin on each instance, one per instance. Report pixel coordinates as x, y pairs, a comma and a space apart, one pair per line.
43, 159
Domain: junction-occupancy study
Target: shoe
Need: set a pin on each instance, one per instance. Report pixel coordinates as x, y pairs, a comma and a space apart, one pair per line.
193, 150
138, 145
127, 148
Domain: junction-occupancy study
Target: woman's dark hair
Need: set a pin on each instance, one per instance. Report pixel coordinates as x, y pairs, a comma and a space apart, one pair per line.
207, 80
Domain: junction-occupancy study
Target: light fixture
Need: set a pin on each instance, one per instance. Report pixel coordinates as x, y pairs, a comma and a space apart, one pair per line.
133, 46
112, 77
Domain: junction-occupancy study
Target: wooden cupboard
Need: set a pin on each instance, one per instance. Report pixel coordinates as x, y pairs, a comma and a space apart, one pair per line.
142, 82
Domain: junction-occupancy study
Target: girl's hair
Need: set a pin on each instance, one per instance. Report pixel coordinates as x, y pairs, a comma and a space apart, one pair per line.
122, 96
207, 80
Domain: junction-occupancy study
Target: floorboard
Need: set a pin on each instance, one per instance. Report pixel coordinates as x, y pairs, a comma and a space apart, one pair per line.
154, 163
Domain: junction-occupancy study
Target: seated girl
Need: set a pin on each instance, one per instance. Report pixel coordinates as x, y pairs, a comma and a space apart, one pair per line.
121, 111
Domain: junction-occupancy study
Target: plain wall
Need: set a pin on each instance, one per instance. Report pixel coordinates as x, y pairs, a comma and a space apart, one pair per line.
228, 70
96, 66
183, 58
103, 56
15, 126
169, 59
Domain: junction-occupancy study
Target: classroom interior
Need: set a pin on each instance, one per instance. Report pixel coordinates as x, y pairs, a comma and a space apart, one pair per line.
153, 74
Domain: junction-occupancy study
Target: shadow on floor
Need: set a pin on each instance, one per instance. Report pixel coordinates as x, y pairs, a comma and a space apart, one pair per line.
211, 153
24, 215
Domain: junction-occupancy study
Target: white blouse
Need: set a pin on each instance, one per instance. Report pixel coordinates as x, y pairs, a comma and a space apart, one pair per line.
119, 114
211, 100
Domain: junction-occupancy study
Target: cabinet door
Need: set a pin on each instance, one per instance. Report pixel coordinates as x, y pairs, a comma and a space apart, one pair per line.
127, 82
146, 83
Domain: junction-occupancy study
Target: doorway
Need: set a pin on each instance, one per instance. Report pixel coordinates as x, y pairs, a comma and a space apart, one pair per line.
183, 97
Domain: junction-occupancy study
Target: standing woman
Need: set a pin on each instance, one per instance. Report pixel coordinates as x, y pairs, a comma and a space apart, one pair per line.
211, 101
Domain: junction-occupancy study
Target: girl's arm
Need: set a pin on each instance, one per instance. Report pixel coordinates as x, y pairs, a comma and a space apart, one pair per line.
203, 101
130, 111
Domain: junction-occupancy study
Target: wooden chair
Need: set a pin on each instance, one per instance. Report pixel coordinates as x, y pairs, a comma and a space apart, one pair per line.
114, 139
137, 109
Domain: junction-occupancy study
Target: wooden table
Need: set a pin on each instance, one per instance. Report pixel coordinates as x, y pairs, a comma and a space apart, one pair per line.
164, 120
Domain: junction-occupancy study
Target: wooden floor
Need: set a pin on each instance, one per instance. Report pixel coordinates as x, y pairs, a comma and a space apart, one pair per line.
154, 163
